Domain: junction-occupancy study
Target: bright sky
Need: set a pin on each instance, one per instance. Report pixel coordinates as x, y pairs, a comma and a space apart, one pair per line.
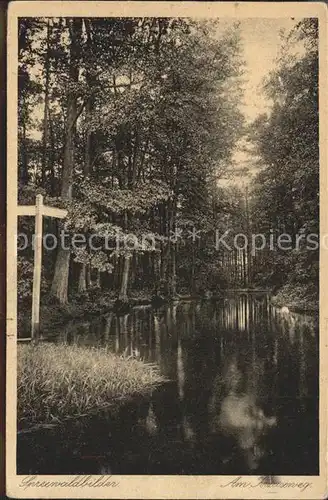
261, 42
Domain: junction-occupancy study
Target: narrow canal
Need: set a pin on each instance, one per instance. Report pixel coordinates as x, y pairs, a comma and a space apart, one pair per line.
241, 396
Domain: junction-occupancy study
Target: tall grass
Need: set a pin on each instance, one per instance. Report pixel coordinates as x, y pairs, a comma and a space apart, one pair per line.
56, 382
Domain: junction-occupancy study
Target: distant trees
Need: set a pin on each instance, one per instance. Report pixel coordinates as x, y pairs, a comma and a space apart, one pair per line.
129, 123
285, 196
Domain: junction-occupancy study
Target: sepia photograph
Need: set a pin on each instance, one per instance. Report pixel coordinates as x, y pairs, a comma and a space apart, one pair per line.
165, 210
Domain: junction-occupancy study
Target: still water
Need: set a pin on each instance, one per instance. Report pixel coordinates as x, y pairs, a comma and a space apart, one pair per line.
242, 396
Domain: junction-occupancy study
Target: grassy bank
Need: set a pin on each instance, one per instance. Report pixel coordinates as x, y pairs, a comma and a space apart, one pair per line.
297, 298
56, 382
53, 315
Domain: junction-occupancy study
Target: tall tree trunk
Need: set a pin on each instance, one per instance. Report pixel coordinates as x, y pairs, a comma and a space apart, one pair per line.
173, 280
248, 229
134, 266
244, 267
88, 276
173, 247
98, 280
83, 285
60, 281
123, 295
23, 171
193, 262
82, 279
51, 164
165, 250
157, 271
45, 136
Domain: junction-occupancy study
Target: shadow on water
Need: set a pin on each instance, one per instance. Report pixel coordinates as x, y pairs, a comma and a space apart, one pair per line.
242, 396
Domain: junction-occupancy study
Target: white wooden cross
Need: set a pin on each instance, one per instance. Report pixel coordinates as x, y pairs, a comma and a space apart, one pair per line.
38, 211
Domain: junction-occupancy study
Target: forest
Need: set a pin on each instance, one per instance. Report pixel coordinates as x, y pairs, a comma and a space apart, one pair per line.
131, 124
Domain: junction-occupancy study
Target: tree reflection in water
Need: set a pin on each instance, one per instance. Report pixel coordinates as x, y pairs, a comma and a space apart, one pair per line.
242, 396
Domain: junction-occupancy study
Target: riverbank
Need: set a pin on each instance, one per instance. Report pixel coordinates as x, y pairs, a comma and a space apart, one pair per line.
95, 303
56, 382
54, 315
297, 298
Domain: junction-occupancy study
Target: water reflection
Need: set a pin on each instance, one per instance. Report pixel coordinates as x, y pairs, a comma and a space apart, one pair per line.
242, 396
235, 410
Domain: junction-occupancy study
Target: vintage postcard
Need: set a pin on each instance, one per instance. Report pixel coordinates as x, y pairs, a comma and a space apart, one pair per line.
167, 250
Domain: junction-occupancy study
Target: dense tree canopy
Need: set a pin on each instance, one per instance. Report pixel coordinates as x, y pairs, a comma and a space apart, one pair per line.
130, 123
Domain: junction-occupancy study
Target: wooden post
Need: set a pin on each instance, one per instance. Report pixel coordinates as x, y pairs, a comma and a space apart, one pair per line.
37, 269
38, 211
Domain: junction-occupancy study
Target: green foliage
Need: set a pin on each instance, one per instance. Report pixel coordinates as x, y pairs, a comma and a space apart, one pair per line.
25, 279
117, 201
152, 105
298, 297
285, 194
